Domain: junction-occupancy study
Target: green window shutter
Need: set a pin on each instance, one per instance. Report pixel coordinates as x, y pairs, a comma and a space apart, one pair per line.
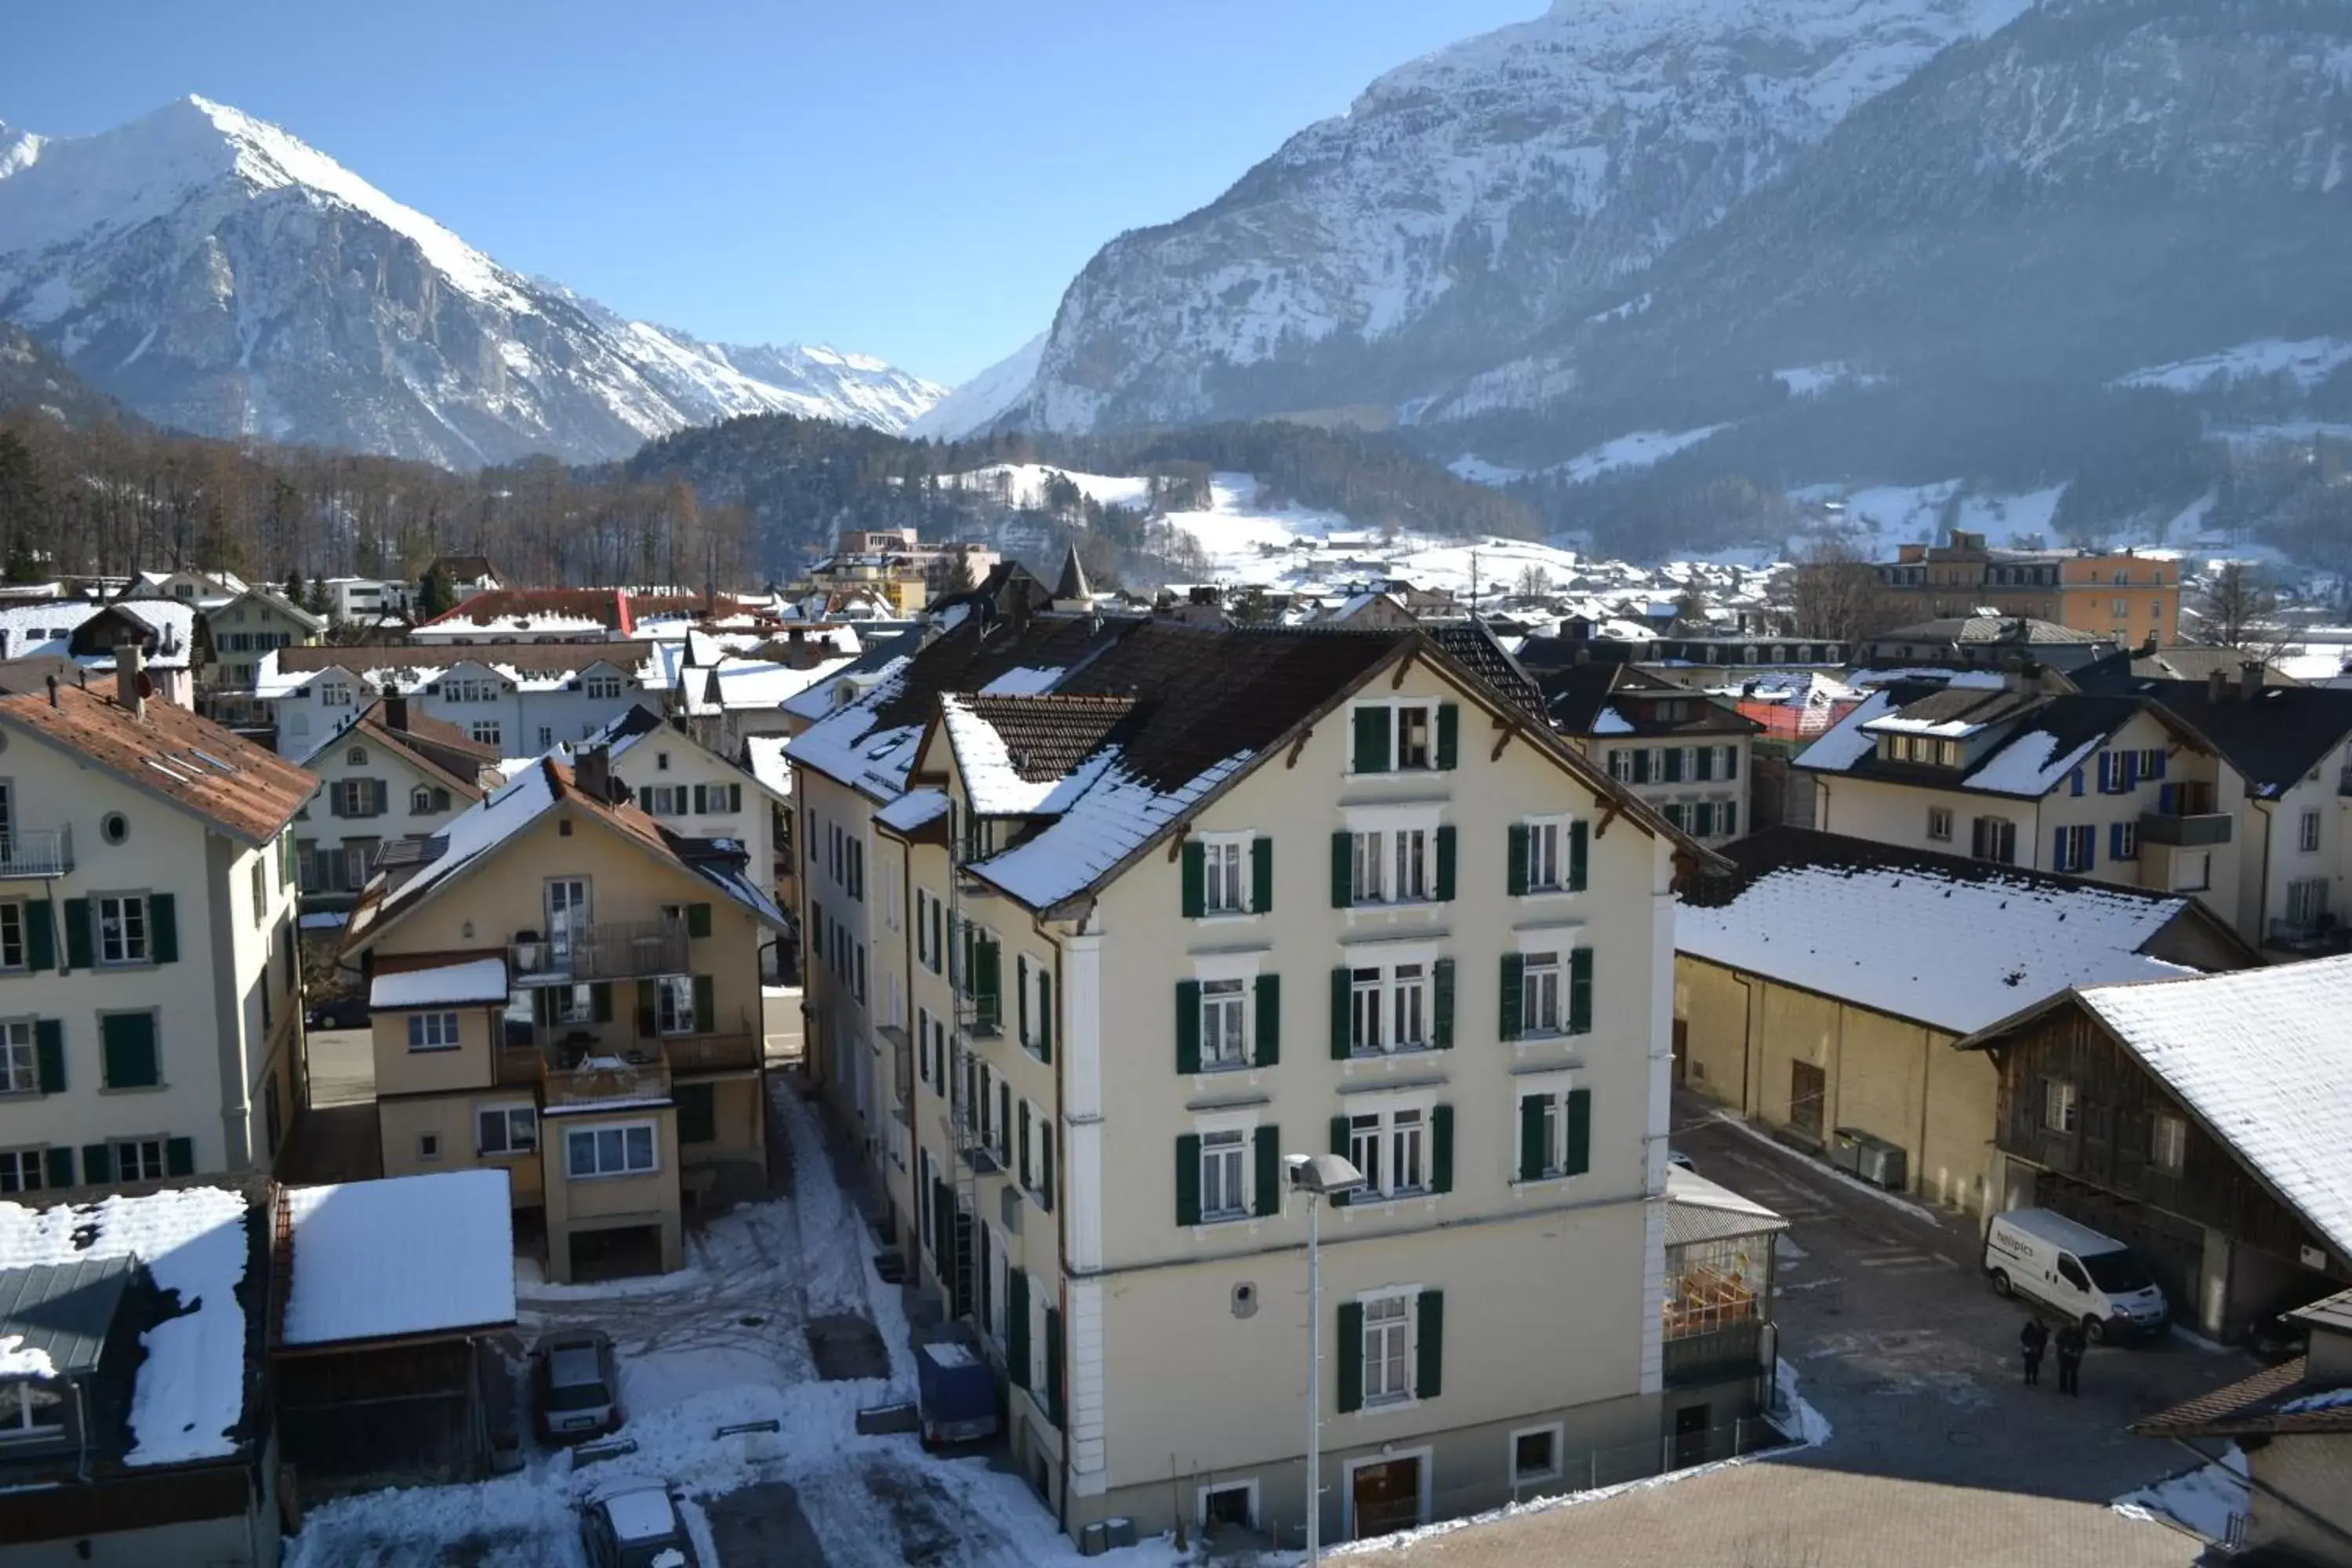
129, 1042
179, 1156
599, 1001
1441, 1149
1022, 1169
698, 919
1579, 990
1672, 759
60, 1171
1343, 881
1188, 1179
1261, 874
1513, 971
1429, 1346
705, 1005
1444, 986
697, 1112
40, 935
1195, 895
1045, 1017
1533, 1155
97, 1164
1021, 996
1372, 727
1580, 837
1054, 1411
1579, 1132
986, 956
1267, 998
1340, 1146
1515, 871
1449, 735
1446, 865
701, 799
1351, 1357
77, 942
1188, 1027
1265, 1149
1641, 765
648, 1009
1342, 990
1017, 1326
49, 1049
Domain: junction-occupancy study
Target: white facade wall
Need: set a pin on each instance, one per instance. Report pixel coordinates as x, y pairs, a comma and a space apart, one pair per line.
668, 759
522, 720
336, 836
227, 1009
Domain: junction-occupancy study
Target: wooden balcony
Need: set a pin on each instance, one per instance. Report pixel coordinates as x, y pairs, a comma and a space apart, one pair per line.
601, 949
2189, 830
520, 1067
601, 1079
711, 1053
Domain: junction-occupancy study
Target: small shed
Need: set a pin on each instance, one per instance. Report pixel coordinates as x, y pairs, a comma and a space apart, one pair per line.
380, 1344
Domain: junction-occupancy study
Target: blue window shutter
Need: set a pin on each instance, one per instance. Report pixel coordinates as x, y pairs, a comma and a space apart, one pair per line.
2074, 782
2115, 841
2156, 760
2165, 798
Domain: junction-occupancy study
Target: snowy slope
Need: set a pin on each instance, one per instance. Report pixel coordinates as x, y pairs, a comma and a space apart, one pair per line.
214, 272
976, 404
1510, 180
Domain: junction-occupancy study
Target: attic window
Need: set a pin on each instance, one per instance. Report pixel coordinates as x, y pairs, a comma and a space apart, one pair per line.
356, 756
114, 828
563, 828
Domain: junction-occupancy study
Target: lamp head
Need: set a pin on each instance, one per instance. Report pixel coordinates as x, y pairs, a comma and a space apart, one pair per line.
1324, 1175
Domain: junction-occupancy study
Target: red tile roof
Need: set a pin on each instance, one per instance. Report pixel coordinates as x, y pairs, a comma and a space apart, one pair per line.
194, 762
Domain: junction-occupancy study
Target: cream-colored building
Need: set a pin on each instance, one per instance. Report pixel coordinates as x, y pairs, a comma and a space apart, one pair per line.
390, 774
151, 997
1168, 904
565, 989
1820, 986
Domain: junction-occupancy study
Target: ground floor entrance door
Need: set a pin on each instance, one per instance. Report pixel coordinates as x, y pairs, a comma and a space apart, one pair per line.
1387, 1495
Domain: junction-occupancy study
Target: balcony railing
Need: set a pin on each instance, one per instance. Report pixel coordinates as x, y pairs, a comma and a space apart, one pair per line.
36, 852
2189, 831
1735, 1350
711, 1053
2320, 934
602, 1079
602, 950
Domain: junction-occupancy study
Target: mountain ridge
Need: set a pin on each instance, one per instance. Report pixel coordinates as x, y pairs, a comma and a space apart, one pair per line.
214, 272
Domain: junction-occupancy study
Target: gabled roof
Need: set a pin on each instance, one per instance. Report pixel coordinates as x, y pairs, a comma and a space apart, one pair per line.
476, 834
2274, 1401
2054, 734
2275, 737
461, 568
2261, 1058
1949, 942
274, 600
1621, 700
207, 771
2018, 629
432, 746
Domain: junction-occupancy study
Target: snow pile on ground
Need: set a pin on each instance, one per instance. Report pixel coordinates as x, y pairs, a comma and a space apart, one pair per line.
2204, 1501
191, 1388
1813, 379
721, 1343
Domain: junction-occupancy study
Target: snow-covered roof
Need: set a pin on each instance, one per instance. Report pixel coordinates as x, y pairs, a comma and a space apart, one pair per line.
2263, 1059
765, 754
1953, 944
356, 1247
1700, 1210
913, 809
1113, 813
476, 980
1849, 740
190, 1389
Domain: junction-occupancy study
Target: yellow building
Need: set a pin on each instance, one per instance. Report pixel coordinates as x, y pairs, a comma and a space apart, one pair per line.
1819, 988
2134, 599
566, 990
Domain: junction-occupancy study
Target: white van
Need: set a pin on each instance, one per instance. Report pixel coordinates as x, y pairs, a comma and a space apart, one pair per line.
2070, 1269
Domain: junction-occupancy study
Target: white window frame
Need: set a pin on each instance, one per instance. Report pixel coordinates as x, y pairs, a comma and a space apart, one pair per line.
1225, 859
2307, 832
1538, 972
2061, 1106
628, 1167
1395, 708
1226, 1044
15, 955
123, 957
1404, 1326
1226, 1150
1939, 824
1546, 867
20, 1056
1391, 991
486, 733
31, 1170
506, 1114
145, 1153
1558, 1432
673, 1006
436, 1031
1380, 1172
1555, 1087
2167, 1133
1201, 1493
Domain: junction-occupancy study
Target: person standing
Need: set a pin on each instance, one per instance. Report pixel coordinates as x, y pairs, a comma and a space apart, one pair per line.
2072, 1343
2033, 1339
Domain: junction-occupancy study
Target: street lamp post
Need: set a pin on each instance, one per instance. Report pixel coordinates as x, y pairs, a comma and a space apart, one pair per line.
1319, 1176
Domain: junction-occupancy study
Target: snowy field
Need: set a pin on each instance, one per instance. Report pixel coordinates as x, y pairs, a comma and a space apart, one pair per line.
2306, 360
718, 1344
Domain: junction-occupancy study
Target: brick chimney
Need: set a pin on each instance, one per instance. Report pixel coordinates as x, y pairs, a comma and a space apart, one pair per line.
2250, 679
130, 679
395, 709
591, 772
2217, 684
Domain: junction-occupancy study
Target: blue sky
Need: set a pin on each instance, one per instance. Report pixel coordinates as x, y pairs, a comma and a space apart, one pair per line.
913, 178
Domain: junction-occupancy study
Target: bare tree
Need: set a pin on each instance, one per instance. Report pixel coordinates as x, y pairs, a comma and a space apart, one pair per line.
2236, 608
1535, 582
1834, 592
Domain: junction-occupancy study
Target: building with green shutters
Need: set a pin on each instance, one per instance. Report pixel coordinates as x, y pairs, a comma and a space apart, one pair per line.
1146, 907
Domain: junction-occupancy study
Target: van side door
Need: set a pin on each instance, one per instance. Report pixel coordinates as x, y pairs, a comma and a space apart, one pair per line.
2072, 1287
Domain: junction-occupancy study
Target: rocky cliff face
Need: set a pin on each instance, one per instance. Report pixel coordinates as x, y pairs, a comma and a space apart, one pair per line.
215, 273
1469, 200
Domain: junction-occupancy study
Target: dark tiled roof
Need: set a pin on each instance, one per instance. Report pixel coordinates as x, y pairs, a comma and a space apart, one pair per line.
1760, 855
1577, 693
2250, 1406
2275, 737
191, 761
1986, 629
2193, 662
1968, 705
1047, 735
64, 1309
1474, 647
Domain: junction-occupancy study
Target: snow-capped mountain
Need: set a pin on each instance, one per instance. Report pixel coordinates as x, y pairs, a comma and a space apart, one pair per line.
1467, 199
976, 404
212, 272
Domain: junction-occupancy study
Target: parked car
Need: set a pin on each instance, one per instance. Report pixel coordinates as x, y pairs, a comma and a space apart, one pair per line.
636, 1527
579, 1387
1676, 1157
2093, 1279
343, 1013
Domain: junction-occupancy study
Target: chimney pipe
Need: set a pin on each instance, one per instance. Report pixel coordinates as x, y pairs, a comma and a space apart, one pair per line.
396, 708
2217, 685
2250, 679
53, 690
129, 680
591, 774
